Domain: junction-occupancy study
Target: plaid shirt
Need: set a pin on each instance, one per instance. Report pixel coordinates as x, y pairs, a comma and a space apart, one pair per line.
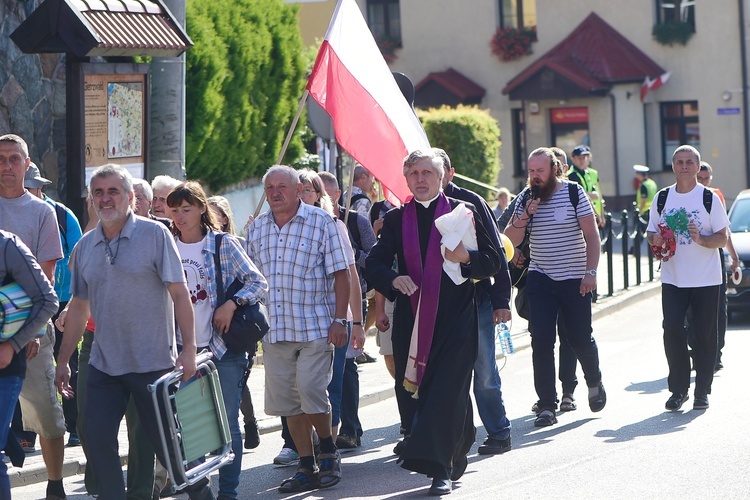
299, 260
235, 264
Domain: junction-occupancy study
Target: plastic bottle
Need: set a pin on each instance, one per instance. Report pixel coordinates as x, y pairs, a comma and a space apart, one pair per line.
502, 331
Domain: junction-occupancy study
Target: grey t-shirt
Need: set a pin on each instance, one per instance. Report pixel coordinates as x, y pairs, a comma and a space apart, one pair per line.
130, 303
35, 222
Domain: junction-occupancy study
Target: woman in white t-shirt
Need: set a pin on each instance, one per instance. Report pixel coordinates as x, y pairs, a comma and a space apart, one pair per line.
195, 228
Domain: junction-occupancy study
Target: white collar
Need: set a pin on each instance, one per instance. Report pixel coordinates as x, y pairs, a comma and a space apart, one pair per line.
428, 202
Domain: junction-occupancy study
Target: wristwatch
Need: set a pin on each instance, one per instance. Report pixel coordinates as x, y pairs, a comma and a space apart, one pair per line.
240, 302
342, 321
592, 272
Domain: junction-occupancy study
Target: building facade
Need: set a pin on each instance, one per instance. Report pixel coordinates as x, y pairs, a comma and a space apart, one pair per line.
583, 81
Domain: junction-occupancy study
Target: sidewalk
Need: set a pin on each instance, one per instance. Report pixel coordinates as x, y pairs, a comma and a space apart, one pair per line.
375, 383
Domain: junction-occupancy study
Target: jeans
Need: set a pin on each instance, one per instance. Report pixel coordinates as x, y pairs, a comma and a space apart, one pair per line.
568, 361
336, 386
704, 302
487, 386
10, 388
350, 424
231, 369
548, 300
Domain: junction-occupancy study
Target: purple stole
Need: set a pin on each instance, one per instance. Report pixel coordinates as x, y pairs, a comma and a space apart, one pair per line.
424, 301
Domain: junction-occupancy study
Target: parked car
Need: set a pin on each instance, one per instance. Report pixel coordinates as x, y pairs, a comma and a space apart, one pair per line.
738, 296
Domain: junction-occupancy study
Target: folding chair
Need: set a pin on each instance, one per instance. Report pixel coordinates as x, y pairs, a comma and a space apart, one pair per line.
192, 422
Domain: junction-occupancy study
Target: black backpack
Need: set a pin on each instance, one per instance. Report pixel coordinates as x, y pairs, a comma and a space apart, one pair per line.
661, 200
62, 225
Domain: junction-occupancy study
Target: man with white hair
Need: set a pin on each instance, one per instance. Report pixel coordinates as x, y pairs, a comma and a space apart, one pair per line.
161, 186
435, 322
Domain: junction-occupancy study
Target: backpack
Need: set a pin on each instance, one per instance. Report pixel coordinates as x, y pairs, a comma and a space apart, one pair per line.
708, 199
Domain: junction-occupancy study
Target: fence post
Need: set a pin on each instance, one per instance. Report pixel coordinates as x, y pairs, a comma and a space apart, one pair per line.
625, 239
608, 249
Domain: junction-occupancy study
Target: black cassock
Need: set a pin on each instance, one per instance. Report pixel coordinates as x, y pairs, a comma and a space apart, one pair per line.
440, 422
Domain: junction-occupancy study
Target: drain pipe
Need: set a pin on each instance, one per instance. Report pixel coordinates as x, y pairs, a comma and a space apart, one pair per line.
616, 149
745, 102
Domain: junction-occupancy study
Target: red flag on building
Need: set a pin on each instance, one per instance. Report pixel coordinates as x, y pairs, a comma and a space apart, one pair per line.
649, 84
373, 121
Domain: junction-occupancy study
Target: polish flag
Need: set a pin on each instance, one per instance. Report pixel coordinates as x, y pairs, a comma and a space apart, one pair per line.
373, 121
649, 84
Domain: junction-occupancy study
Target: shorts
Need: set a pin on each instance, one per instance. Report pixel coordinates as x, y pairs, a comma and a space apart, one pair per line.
384, 338
42, 412
297, 377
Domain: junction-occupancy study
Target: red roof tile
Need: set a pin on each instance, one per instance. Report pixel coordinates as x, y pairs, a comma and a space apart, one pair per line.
594, 56
454, 82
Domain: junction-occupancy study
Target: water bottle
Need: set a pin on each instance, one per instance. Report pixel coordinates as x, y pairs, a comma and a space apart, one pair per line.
502, 331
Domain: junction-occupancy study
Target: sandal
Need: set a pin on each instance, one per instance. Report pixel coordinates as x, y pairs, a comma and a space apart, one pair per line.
597, 403
568, 403
330, 469
545, 418
303, 480
535, 408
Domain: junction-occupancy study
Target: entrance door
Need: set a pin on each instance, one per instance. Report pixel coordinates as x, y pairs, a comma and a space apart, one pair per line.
569, 127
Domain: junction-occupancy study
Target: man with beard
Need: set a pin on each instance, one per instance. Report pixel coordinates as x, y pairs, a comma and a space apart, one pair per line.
435, 323
559, 286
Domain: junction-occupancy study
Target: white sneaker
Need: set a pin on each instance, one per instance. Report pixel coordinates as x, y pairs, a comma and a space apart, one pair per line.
287, 456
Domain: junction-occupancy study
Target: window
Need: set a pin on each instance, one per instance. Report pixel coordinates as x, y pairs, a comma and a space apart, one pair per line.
517, 13
679, 125
519, 145
384, 19
675, 11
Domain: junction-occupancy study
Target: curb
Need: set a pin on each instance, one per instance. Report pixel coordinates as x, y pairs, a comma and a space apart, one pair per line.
521, 340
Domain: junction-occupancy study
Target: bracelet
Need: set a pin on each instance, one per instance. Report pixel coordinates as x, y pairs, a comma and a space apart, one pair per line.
513, 223
357, 323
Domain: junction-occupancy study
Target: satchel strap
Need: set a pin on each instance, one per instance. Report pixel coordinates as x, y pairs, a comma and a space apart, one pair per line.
217, 264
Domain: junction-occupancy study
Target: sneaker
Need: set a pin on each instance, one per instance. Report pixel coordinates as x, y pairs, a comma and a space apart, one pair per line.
365, 358
28, 446
676, 401
346, 442
701, 402
73, 440
287, 456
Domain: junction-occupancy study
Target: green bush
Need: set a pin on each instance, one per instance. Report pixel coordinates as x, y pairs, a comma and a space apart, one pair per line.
471, 137
245, 76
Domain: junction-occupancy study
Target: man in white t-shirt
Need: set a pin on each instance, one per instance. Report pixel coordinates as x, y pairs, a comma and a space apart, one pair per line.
691, 278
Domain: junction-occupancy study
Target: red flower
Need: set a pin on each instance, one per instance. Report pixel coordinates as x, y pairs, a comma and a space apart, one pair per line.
511, 43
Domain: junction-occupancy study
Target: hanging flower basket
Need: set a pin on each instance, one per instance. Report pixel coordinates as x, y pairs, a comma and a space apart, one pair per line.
672, 33
388, 46
508, 44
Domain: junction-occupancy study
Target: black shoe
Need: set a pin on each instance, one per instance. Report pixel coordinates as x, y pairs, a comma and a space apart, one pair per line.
252, 435
440, 487
701, 402
598, 402
399, 448
493, 446
346, 442
459, 467
675, 402
365, 358
719, 366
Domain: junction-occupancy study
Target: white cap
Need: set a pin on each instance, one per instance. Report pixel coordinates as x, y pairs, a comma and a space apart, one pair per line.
641, 169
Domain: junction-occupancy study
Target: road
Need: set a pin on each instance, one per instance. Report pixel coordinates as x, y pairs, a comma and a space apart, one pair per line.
632, 449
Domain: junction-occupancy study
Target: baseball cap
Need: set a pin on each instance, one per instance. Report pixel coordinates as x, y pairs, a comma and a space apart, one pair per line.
33, 179
641, 169
581, 150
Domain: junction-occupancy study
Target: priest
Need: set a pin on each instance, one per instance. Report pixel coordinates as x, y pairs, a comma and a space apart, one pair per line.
435, 327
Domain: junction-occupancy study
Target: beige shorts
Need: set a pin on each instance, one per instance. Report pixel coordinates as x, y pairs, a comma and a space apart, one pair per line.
42, 412
384, 338
297, 377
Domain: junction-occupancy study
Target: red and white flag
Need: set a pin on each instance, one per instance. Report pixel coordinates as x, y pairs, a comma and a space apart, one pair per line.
649, 84
372, 119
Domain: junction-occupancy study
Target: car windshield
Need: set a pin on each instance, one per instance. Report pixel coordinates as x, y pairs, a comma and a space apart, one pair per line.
739, 219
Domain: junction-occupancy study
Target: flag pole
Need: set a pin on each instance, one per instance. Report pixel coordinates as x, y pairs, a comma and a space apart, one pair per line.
349, 198
288, 139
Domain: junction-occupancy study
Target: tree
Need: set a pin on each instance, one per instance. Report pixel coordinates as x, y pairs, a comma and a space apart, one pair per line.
471, 137
245, 76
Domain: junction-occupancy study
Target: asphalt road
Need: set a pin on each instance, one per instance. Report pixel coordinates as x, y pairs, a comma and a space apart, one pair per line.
632, 449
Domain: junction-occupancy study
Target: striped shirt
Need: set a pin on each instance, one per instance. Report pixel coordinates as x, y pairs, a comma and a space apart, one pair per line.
298, 260
558, 248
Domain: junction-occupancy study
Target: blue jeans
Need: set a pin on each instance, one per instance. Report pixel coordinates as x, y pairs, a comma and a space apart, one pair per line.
548, 300
10, 388
336, 385
350, 424
231, 369
487, 386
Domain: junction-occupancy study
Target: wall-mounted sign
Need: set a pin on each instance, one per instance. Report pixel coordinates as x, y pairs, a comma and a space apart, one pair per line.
115, 121
727, 111
569, 115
